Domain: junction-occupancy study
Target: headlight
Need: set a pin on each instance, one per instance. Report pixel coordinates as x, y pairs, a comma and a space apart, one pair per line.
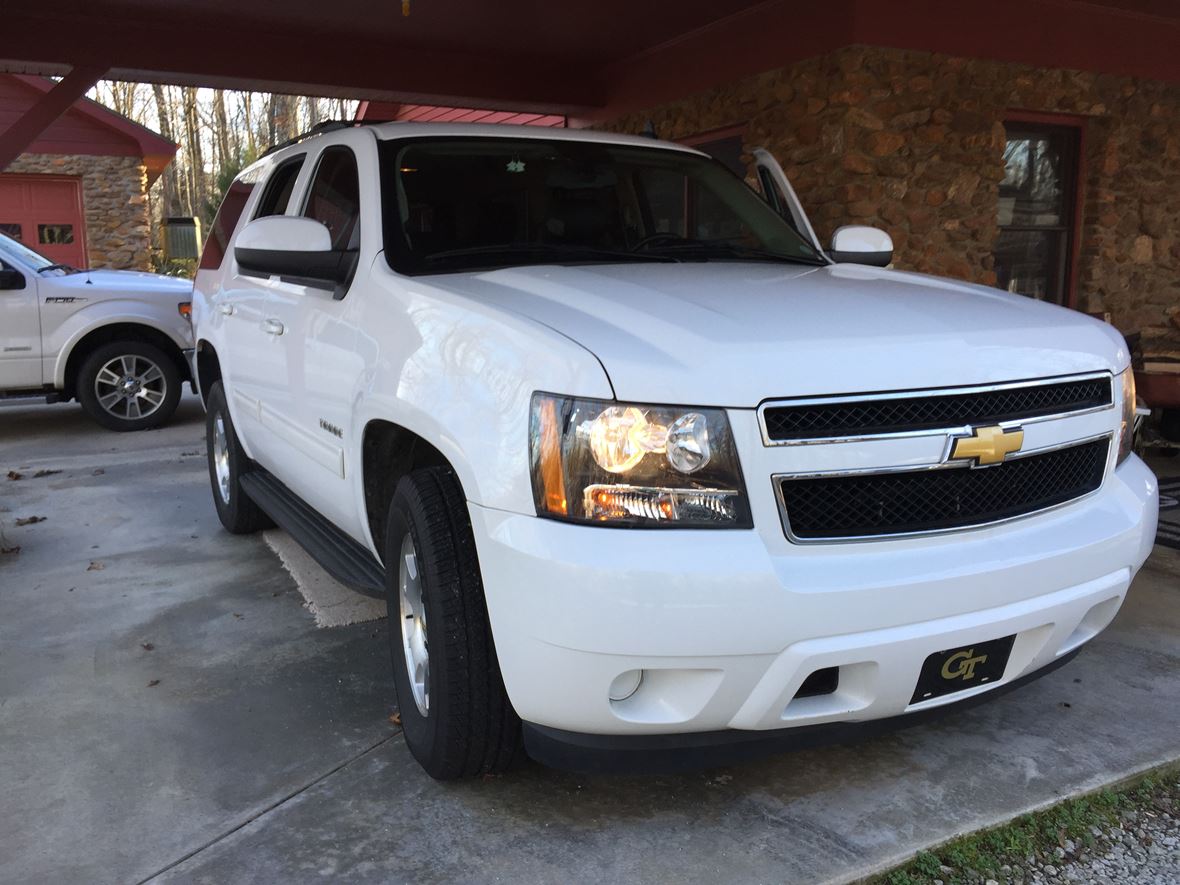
1127, 427
634, 465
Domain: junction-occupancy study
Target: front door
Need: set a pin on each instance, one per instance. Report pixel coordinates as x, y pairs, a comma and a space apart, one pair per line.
20, 332
45, 213
312, 411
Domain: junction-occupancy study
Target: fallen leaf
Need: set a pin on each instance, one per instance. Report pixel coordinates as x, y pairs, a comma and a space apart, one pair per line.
13, 475
153, 683
237, 615
146, 646
9, 551
395, 718
98, 472
95, 566
191, 454
30, 520
41, 473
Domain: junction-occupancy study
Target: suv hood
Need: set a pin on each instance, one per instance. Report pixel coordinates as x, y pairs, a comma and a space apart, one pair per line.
735, 333
114, 282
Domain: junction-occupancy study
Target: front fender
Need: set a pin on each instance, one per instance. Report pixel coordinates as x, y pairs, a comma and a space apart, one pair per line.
65, 335
461, 375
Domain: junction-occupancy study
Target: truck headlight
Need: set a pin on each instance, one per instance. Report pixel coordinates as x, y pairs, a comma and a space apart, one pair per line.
1127, 425
627, 464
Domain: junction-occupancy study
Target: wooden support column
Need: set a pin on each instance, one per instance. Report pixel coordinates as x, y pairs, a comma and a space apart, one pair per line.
16, 139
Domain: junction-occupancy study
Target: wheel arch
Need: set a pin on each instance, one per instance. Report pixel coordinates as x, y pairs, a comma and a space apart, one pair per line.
208, 369
119, 331
389, 451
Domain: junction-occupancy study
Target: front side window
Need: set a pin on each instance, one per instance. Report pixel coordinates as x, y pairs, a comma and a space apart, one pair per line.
278, 188
455, 204
334, 199
1037, 211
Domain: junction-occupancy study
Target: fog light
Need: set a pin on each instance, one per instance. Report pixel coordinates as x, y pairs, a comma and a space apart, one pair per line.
625, 685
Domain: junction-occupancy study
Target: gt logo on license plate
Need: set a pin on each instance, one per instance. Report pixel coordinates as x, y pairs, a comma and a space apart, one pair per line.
957, 669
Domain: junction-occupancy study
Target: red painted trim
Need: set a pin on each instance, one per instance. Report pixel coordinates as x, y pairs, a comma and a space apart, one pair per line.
738, 129
1043, 118
54, 101
150, 143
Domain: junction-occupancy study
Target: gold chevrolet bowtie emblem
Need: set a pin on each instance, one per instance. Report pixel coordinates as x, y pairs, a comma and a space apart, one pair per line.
987, 445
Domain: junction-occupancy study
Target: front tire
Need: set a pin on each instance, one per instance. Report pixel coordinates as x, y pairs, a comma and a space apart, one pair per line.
227, 464
456, 716
129, 385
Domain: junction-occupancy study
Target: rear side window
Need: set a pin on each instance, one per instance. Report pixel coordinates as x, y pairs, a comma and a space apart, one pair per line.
224, 223
279, 186
334, 198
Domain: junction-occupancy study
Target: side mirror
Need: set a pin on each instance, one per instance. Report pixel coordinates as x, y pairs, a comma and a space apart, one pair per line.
11, 279
858, 244
292, 247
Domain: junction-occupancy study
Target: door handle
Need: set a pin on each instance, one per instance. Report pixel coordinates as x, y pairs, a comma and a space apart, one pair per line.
226, 309
272, 327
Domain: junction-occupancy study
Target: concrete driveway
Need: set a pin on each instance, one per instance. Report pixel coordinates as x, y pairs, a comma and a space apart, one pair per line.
170, 711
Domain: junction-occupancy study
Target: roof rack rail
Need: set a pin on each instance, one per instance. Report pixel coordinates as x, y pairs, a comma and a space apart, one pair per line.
319, 129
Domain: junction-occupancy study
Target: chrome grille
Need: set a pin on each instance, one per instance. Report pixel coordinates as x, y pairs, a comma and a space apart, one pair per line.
868, 505
870, 415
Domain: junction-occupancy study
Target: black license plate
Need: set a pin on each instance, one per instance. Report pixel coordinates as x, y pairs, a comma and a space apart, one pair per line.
957, 669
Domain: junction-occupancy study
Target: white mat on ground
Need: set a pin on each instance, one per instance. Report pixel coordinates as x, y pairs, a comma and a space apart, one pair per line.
333, 604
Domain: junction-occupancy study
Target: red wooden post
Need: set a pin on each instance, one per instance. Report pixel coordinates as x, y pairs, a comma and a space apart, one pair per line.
16, 138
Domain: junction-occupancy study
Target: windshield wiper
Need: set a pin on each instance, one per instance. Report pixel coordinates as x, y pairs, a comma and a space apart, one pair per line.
68, 267
705, 249
554, 249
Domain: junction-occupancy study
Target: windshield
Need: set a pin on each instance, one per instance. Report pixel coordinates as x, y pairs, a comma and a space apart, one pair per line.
456, 204
19, 252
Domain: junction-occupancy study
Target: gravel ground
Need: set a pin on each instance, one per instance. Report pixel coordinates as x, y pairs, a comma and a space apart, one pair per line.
1144, 849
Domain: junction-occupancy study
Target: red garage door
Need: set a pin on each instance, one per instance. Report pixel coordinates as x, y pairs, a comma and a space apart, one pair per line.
45, 213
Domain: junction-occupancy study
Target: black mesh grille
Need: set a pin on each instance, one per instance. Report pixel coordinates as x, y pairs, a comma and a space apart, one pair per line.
928, 500
802, 421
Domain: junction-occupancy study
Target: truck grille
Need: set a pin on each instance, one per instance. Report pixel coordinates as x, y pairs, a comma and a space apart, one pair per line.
897, 503
869, 416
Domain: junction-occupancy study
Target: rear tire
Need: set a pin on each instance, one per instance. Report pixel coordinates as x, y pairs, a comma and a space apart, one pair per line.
456, 716
227, 464
128, 385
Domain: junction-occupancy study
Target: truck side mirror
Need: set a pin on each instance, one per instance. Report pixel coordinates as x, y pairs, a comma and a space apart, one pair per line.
859, 244
11, 279
300, 248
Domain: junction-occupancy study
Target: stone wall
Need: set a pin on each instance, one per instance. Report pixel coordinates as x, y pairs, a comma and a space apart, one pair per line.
913, 142
114, 200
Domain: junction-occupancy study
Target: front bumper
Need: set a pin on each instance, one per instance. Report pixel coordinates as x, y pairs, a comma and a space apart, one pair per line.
726, 625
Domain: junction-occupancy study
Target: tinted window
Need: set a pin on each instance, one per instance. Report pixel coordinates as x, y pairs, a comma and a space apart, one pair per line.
334, 198
453, 204
278, 188
224, 223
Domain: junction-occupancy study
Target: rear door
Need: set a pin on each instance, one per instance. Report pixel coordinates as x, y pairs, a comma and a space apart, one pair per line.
777, 191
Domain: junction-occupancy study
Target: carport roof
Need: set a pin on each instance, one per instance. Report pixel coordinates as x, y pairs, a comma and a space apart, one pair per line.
585, 58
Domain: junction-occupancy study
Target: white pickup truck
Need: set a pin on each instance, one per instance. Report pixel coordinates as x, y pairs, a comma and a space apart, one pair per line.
647, 475
113, 340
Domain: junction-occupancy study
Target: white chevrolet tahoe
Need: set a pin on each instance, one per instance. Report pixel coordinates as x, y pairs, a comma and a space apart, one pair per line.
113, 340
648, 477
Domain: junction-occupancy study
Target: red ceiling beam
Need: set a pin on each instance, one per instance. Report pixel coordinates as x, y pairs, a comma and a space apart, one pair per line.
19, 135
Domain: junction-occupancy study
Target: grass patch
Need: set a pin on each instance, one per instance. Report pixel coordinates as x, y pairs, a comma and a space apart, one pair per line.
1037, 835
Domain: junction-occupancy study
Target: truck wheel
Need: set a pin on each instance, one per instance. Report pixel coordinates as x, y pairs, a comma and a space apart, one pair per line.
129, 385
227, 462
456, 716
